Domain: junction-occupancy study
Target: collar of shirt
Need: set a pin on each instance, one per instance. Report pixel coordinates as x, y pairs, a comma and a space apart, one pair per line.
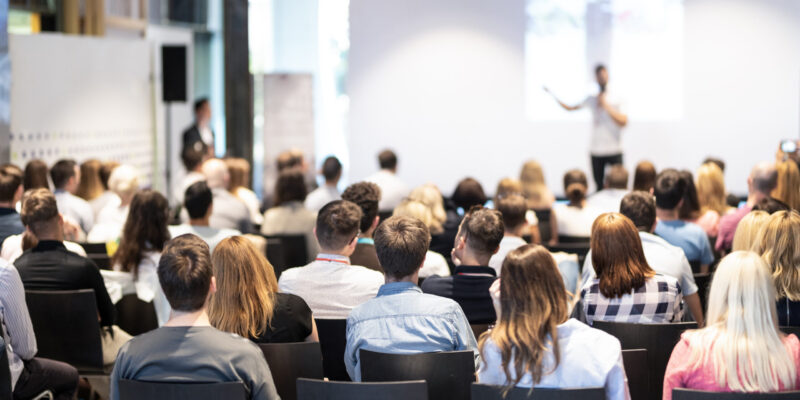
472, 270
397, 288
332, 259
369, 241
7, 211
46, 245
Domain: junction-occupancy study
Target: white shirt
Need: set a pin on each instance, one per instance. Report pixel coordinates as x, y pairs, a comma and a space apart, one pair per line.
75, 208
322, 196
606, 200
109, 224
12, 248
189, 179
574, 221
508, 244
98, 204
589, 358
331, 286
606, 133
393, 190
147, 287
292, 218
212, 236
435, 264
662, 257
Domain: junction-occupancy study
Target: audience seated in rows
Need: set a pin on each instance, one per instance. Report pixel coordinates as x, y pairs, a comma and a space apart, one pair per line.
35, 175
289, 216
247, 301
239, 186
123, 183
626, 288
787, 184
711, 197
50, 266
230, 212
393, 190
187, 348
329, 191
478, 239
662, 257
741, 348
534, 343
10, 195
761, 182
670, 191
644, 176
576, 217
435, 263
778, 243
402, 319
66, 177
749, 230
614, 189
367, 196
330, 285
513, 209
198, 202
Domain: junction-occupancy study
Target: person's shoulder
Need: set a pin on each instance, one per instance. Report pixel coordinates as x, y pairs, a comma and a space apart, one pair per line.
601, 346
440, 304
436, 284
666, 282
367, 273
290, 301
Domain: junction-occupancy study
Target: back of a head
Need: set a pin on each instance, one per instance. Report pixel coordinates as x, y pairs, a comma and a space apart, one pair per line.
246, 285
483, 229
640, 208
617, 255
716, 161
197, 199
670, 189
338, 224
771, 205
106, 169
39, 211
416, 210
10, 181
645, 176
690, 208
366, 195
184, 272
288, 159
616, 177
430, 195
575, 186
61, 172
711, 188
199, 104
469, 193
533, 185
145, 229
290, 186
192, 157
239, 171
216, 173
401, 244
779, 244
331, 169
124, 180
91, 186
387, 159
787, 188
513, 209
35, 176
764, 178
749, 229
507, 187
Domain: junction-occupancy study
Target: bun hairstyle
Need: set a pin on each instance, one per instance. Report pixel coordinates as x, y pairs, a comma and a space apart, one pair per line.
575, 186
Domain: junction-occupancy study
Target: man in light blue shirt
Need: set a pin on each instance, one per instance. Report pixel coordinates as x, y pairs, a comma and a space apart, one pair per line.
66, 177
401, 319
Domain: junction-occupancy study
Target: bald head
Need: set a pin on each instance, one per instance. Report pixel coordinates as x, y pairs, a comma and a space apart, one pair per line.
763, 178
216, 173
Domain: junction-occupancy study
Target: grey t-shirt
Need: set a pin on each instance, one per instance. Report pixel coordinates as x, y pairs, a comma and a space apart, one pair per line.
194, 354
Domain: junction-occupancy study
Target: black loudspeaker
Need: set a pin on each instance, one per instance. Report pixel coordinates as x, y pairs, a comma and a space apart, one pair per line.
173, 73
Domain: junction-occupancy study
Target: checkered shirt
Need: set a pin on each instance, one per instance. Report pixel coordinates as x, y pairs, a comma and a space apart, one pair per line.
658, 301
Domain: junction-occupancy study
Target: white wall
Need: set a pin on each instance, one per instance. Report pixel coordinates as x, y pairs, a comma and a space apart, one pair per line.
441, 82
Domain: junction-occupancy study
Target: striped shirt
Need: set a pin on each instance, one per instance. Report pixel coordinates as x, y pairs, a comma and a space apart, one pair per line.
657, 301
17, 327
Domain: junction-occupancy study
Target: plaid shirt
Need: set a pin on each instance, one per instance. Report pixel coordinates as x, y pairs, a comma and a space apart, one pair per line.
658, 301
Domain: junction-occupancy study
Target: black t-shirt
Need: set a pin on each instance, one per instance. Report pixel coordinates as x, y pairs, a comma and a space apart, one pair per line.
291, 321
469, 287
788, 312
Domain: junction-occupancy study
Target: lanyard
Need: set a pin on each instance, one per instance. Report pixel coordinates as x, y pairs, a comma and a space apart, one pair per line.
333, 260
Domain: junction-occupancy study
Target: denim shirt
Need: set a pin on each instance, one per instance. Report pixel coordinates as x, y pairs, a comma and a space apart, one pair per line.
403, 320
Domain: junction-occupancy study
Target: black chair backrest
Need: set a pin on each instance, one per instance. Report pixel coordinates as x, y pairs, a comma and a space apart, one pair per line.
94, 248
563, 239
136, 316
140, 390
66, 327
478, 329
312, 389
292, 252
545, 230
688, 394
579, 248
448, 374
790, 330
5, 372
703, 281
289, 361
384, 215
333, 340
635, 362
489, 392
657, 339
101, 260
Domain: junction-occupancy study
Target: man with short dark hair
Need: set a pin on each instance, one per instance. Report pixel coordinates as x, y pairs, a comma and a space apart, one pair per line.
366, 195
332, 172
330, 285
663, 257
402, 319
199, 202
513, 208
66, 177
393, 190
187, 348
670, 190
10, 193
193, 163
615, 187
199, 136
762, 181
477, 240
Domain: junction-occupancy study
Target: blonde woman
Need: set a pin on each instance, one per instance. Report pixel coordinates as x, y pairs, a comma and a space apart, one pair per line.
435, 263
247, 301
741, 348
749, 229
788, 189
430, 195
239, 186
534, 343
779, 245
711, 196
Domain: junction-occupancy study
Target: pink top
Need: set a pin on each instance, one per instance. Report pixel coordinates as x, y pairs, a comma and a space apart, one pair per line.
681, 374
727, 227
709, 222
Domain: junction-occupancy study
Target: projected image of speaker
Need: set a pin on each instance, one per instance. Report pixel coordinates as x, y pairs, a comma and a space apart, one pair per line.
173, 73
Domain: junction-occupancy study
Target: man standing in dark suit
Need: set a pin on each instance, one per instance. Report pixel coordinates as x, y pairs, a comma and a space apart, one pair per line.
200, 135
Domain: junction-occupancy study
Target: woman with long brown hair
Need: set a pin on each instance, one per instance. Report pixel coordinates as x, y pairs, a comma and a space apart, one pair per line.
534, 343
247, 301
626, 289
711, 197
35, 175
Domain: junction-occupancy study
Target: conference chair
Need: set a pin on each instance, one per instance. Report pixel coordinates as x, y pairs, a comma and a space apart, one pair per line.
448, 374
384, 215
313, 389
66, 327
141, 390
289, 361
478, 329
488, 392
98, 253
791, 330
136, 316
703, 281
333, 340
564, 239
635, 362
545, 230
657, 339
286, 251
688, 394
